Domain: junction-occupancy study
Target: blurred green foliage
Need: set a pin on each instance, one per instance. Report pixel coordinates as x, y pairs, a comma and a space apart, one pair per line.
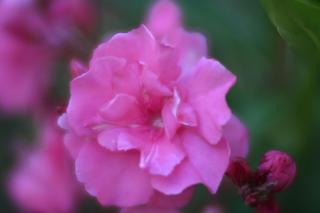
276, 95
298, 22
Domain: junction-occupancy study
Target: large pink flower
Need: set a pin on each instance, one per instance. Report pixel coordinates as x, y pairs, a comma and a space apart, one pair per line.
149, 115
43, 180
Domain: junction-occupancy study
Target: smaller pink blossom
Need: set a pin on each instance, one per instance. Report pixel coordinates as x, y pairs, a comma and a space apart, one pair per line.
79, 14
32, 35
24, 74
43, 180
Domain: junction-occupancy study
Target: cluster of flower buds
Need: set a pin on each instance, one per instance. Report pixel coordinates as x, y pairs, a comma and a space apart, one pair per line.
275, 173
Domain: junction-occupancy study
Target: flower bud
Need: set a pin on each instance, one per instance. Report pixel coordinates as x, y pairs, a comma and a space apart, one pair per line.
279, 168
238, 171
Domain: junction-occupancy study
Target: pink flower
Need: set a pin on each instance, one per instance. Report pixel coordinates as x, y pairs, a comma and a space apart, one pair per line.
77, 14
150, 114
24, 73
280, 169
43, 181
32, 35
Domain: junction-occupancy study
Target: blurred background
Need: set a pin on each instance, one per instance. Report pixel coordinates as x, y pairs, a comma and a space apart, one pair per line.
276, 95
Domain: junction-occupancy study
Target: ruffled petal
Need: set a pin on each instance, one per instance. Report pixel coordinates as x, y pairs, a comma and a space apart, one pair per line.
122, 139
207, 88
182, 177
110, 176
213, 112
86, 97
162, 156
208, 76
210, 161
138, 45
122, 109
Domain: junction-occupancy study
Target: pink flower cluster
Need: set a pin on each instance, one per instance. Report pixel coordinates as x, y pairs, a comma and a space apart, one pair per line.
32, 34
43, 180
149, 115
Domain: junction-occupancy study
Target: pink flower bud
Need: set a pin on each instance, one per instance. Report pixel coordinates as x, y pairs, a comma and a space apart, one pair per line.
280, 169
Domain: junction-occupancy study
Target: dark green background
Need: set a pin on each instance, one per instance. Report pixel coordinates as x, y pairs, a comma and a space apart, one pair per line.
276, 95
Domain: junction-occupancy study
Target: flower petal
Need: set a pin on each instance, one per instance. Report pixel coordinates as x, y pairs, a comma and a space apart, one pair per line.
170, 122
213, 112
164, 18
207, 88
186, 115
121, 139
86, 96
179, 200
74, 143
210, 75
149, 209
183, 176
110, 176
122, 109
237, 136
162, 156
137, 45
210, 161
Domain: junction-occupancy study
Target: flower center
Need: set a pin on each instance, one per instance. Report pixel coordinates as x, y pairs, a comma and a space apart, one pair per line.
157, 122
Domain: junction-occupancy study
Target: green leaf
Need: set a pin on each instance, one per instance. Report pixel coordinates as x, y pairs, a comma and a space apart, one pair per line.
298, 22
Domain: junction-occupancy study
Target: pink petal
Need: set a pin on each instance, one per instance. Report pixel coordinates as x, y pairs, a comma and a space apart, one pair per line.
110, 176
77, 68
149, 209
170, 122
163, 203
183, 176
207, 91
213, 112
137, 45
164, 17
161, 157
153, 90
127, 80
192, 47
121, 139
187, 115
208, 76
74, 143
237, 136
179, 200
86, 96
210, 161
122, 109
153, 85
